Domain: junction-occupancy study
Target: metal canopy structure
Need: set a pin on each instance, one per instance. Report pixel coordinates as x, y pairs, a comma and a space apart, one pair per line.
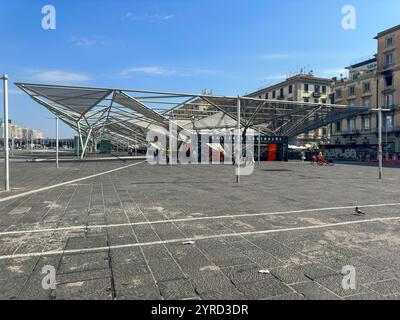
125, 116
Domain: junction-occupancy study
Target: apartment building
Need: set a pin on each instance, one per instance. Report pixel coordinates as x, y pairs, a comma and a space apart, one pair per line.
372, 83
302, 88
360, 89
19, 133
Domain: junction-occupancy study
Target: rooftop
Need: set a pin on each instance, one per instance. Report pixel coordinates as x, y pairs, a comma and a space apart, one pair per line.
362, 63
298, 77
385, 32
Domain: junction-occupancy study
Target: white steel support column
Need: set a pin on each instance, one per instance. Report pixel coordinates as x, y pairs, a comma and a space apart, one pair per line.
259, 146
5, 128
136, 143
80, 139
57, 143
86, 143
238, 143
94, 140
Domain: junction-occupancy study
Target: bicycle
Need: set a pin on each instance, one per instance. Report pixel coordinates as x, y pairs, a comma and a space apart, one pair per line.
327, 163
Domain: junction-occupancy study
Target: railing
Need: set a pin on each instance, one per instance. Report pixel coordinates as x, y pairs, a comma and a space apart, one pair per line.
388, 130
349, 132
366, 131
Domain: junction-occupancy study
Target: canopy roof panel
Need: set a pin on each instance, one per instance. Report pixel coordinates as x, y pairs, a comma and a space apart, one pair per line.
127, 115
78, 100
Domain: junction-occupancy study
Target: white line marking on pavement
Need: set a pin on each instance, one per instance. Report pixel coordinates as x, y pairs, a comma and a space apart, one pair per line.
196, 238
195, 219
67, 182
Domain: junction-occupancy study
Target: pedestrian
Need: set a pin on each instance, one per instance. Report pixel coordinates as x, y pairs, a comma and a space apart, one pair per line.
302, 156
314, 159
156, 156
167, 155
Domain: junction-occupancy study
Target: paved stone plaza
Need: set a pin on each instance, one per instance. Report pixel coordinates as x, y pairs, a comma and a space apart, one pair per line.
122, 235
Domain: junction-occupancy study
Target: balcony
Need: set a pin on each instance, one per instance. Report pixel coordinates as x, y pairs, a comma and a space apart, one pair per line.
350, 133
317, 94
386, 68
390, 131
391, 107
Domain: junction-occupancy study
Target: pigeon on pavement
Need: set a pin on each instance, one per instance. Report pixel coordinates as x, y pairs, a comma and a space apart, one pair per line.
358, 211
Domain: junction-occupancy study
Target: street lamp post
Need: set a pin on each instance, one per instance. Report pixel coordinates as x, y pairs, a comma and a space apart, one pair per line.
380, 153
56, 142
380, 142
31, 144
5, 128
238, 143
386, 139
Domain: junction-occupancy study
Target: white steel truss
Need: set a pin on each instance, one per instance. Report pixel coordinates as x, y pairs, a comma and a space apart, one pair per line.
125, 116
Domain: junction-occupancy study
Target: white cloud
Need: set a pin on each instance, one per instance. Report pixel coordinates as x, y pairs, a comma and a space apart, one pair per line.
149, 70
148, 17
204, 71
163, 71
59, 76
275, 77
276, 56
167, 17
83, 42
334, 72
12, 91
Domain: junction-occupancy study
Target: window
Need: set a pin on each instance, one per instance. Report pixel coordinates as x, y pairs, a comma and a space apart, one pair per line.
388, 123
389, 41
306, 99
366, 123
323, 89
273, 94
306, 87
389, 59
338, 93
352, 90
367, 102
316, 100
338, 126
352, 103
389, 100
389, 80
317, 88
367, 86
323, 101
291, 89
281, 93
259, 97
267, 95
351, 125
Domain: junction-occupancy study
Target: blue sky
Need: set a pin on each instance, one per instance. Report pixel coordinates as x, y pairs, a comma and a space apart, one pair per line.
230, 46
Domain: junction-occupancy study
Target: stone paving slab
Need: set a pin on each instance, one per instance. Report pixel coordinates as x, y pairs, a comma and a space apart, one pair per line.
304, 260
